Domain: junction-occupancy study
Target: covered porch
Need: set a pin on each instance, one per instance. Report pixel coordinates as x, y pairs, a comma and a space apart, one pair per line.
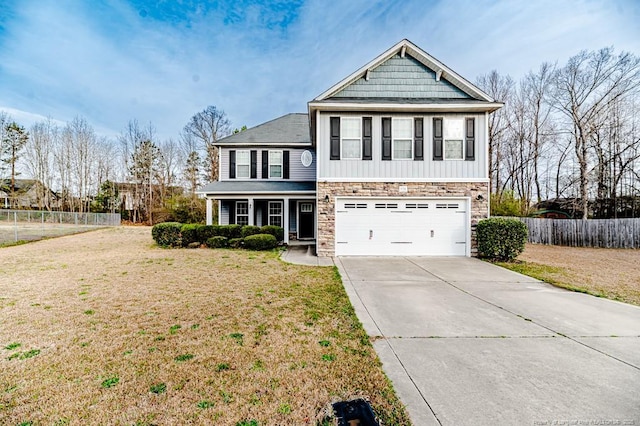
290, 205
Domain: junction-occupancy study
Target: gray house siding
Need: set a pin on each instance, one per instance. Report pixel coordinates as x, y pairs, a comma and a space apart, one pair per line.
297, 172
402, 78
401, 169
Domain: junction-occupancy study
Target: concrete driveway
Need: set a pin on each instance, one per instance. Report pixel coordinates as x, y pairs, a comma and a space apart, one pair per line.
468, 343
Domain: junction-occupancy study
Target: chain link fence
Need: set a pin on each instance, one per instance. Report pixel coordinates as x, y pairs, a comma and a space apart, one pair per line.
30, 225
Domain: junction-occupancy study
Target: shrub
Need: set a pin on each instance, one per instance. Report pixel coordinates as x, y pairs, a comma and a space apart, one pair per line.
189, 234
205, 232
167, 234
276, 231
250, 230
501, 239
236, 242
260, 242
230, 231
218, 242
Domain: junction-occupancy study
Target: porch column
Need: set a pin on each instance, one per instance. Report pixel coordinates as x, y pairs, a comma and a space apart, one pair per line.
209, 211
251, 210
285, 220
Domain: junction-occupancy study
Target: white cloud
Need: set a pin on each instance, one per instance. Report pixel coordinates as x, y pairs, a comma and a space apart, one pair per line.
113, 62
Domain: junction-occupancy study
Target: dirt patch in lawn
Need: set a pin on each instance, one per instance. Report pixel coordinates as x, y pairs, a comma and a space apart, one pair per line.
106, 328
611, 273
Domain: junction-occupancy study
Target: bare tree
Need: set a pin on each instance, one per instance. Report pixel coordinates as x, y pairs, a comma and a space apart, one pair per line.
499, 88
584, 89
39, 159
207, 127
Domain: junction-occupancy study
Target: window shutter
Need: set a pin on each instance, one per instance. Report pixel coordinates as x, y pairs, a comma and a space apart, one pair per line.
366, 138
437, 139
470, 139
335, 138
418, 141
386, 138
232, 164
232, 212
254, 164
285, 164
265, 164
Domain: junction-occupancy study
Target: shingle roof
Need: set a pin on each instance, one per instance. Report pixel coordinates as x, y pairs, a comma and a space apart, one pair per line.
229, 187
289, 129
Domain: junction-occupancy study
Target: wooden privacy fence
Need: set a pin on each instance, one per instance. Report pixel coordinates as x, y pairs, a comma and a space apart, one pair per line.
606, 233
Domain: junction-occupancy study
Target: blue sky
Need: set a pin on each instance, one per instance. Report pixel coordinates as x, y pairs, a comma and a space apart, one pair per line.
162, 61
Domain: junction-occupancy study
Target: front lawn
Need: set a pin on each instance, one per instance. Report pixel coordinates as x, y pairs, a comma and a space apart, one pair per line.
610, 273
105, 327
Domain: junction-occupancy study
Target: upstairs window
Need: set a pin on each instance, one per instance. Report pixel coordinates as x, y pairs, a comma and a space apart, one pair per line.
454, 139
351, 137
243, 164
402, 138
275, 164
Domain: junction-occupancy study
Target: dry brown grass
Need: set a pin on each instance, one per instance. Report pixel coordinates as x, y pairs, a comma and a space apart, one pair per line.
612, 273
109, 308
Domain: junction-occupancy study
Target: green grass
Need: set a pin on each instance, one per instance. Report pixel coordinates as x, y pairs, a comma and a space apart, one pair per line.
110, 382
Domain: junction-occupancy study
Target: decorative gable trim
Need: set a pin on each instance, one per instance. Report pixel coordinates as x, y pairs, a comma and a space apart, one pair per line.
402, 48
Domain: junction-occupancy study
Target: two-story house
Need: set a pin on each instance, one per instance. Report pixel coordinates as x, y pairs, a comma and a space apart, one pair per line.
392, 160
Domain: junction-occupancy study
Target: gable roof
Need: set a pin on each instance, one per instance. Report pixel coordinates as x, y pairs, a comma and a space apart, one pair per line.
290, 129
403, 67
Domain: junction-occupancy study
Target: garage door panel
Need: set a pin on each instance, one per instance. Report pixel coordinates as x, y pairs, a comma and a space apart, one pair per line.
401, 227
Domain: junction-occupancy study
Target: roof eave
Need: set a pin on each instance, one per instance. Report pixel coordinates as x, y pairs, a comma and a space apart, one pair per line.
262, 144
404, 107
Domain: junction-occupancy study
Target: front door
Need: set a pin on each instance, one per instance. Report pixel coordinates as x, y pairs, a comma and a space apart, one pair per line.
305, 220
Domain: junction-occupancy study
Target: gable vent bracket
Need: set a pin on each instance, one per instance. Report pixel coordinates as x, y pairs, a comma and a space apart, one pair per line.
438, 75
367, 75
403, 50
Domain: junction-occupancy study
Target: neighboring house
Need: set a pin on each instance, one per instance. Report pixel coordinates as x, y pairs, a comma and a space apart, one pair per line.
29, 194
399, 162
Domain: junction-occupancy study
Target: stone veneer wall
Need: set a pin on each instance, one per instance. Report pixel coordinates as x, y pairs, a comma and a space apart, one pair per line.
326, 210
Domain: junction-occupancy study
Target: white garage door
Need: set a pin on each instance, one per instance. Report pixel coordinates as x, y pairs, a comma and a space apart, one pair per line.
401, 226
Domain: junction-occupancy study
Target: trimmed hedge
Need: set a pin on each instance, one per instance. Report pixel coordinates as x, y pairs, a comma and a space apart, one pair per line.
174, 234
167, 234
236, 242
276, 231
230, 231
190, 234
205, 232
260, 242
501, 239
250, 230
218, 242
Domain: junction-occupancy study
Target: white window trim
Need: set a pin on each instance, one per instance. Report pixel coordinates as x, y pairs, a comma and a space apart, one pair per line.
238, 203
393, 139
244, 164
444, 141
342, 138
275, 215
281, 164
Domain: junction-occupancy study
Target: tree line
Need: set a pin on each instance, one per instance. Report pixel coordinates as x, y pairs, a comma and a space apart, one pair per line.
135, 173
568, 132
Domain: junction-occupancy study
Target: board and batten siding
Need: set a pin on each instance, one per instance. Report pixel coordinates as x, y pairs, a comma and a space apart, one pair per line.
401, 169
297, 172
